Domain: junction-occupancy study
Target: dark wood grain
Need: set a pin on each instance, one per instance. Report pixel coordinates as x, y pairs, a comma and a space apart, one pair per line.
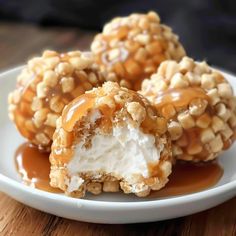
18, 43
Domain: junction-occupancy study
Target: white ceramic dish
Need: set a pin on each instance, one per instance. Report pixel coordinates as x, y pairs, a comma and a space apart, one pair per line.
106, 208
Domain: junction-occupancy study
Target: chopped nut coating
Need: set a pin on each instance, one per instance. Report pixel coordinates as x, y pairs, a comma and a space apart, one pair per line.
204, 106
44, 87
132, 47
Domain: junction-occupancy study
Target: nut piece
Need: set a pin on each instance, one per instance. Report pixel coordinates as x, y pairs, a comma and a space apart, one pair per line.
137, 112
80, 63
168, 111
194, 79
176, 150
179, 81
207, 81
106, 101
67, 84
42, 138
186, 65
94, 188
207, 135
111, 186
186, 120
214, 96
203, 121
50, 78
55, 104
37, 104
222, 111
143, 193
225, 90
171, 69
175, 130
42, 90
40, 116
227, 132
197, 106
216, 144
143, 39
51, 120
217, 124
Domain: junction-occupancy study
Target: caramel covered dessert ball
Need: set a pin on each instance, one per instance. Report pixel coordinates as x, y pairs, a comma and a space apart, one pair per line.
131, 48
107, 139
45, 85
198, 103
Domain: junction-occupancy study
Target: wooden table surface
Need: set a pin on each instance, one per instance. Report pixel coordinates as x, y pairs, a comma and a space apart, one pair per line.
18, 42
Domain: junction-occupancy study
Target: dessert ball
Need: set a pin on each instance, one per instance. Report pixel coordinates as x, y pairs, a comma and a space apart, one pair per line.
198, 103
131, 48
44, 87
110, 138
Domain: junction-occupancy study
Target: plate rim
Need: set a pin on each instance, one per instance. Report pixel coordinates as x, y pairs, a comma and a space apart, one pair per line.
131, 205
208, 193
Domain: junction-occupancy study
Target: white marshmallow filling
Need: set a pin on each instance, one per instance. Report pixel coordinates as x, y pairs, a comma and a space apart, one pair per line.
125, 154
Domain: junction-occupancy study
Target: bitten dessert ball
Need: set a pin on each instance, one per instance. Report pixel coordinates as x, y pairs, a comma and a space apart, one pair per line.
131, 48
110, 138
200, 107
44, 87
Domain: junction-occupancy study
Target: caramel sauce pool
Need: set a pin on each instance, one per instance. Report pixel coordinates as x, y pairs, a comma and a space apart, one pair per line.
189, 178
34, 167
186, 178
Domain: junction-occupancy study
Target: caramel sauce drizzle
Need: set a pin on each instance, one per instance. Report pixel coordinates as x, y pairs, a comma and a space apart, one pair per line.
179, 97
76, 109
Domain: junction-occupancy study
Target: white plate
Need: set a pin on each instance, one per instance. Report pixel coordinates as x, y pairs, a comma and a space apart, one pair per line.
106, 208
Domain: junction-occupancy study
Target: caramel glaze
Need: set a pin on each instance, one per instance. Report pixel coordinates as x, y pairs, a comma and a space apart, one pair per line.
76, 109
34, 168
180, 97
80, 106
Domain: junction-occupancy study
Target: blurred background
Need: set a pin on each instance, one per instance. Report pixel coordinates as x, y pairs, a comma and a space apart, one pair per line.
207, 28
